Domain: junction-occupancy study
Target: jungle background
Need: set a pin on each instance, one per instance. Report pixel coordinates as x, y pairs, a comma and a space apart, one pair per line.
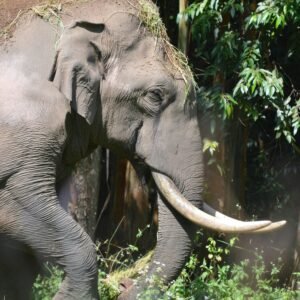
246, 60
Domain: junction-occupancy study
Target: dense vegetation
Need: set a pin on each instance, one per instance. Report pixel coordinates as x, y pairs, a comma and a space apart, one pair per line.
206, 277
248, 52
246, 57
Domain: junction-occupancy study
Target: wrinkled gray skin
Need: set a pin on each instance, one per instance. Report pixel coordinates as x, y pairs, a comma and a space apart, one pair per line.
106, 88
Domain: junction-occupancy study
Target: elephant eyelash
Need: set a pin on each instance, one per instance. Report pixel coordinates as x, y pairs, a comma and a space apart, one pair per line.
156, 95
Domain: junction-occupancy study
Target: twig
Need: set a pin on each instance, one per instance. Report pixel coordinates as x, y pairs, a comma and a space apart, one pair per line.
113, 235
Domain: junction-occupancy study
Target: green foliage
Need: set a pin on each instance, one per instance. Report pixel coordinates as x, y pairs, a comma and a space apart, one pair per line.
45, 287
121, 260
237, 49
118, 265
210, 146
210, 278
107, 289
274, 14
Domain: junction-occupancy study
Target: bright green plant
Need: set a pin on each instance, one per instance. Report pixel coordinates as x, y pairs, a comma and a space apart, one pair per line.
212, 278
45, 287
120, 264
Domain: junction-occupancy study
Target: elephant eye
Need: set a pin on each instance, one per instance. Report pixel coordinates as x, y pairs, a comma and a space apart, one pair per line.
151, 101
156, 95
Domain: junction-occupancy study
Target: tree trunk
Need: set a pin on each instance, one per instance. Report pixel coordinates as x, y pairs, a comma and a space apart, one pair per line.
183, 40
236, 167
85, 185
126, 206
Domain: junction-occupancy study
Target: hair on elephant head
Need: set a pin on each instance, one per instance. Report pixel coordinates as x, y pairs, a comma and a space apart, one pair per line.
118, 85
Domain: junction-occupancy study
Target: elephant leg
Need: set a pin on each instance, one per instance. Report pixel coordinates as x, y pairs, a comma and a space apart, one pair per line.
18, 270
52, 234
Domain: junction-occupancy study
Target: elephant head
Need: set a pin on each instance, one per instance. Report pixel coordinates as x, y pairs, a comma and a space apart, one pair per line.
132, 95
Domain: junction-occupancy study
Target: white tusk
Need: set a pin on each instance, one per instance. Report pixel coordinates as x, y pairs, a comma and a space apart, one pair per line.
199, 217
272, 227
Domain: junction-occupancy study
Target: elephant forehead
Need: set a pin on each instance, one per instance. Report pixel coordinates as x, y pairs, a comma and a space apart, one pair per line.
141, 75
145, 58
147, 47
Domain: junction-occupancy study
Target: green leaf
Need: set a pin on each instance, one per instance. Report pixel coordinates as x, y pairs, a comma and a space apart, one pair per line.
278, 22
278, 134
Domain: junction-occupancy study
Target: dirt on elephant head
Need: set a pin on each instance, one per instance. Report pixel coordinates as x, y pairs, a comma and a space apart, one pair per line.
9, 9
12, 10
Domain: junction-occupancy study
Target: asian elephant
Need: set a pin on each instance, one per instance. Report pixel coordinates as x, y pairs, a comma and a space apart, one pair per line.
113, 83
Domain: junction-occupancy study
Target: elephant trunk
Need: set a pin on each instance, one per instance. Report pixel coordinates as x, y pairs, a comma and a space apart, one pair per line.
174, 243
175, 232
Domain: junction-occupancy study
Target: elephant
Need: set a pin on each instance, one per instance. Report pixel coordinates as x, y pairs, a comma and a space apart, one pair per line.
113, 83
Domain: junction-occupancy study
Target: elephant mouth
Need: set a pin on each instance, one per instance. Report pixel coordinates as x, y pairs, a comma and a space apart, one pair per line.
208, 217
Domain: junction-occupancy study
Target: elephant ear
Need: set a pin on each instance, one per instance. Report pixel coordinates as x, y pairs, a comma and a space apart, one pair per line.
78, 67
